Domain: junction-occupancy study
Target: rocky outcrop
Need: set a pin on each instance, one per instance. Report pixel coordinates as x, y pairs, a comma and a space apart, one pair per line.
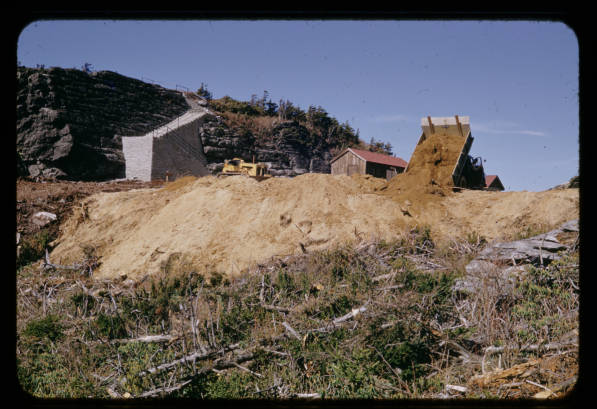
500, 265
69, 121
70, 125
284, 150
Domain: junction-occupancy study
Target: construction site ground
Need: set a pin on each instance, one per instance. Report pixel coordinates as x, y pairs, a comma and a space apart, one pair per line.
235, 224
229, 224
59, 197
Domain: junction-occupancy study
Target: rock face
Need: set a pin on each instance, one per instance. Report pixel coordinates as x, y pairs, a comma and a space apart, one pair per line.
283, 150
68, 121
70, 125
500, 265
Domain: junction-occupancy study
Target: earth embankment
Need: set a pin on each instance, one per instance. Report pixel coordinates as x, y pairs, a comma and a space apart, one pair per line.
229, 224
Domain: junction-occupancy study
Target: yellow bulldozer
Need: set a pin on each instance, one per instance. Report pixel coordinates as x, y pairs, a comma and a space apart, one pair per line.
238, 166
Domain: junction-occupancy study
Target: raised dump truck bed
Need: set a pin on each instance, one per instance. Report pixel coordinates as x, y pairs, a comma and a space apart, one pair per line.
454, 136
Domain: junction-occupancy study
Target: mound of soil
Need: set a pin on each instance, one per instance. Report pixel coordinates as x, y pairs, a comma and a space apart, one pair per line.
59, 197
229, 224
428, 177
226, 224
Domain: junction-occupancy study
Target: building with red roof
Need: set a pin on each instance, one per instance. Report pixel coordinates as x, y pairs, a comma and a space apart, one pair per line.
493, 182
351, 161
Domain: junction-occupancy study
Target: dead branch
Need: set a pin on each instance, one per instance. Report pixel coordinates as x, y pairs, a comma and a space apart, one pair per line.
465, 356
491, 350
308, 395
539, 386
196, 356
262, 289
48, 265
383, 277
113, 393
247, 370
275, 308
564, 385
457, 388
291, 330
160, 391
350, 315
147, 338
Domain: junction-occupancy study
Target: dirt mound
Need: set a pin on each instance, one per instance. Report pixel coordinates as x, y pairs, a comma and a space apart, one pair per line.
59, 197
428, 177
434, 160
228, 224
502, 215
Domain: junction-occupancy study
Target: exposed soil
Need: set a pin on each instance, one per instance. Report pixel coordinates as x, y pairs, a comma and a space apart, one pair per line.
229, 224
59, 197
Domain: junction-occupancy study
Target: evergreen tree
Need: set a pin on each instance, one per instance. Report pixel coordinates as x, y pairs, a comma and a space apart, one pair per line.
203, 92
380, 147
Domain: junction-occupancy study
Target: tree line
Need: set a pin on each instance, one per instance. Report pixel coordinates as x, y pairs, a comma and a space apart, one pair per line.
326, 128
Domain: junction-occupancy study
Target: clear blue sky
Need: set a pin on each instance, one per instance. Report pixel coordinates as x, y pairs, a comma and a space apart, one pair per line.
517, 80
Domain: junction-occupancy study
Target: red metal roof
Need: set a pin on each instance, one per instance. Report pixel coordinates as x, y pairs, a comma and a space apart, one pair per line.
489, 179
380, 158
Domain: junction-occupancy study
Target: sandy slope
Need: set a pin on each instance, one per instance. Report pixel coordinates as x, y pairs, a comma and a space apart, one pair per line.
230, 223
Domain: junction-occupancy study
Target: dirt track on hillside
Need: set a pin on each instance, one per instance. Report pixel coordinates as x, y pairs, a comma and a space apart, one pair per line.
229, 224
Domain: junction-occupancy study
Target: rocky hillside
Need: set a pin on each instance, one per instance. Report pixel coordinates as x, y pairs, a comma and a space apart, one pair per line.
290, 140
282, 150
70, 123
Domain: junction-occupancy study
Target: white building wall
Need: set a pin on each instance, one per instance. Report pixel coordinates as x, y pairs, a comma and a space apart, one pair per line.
174, 148
138, 151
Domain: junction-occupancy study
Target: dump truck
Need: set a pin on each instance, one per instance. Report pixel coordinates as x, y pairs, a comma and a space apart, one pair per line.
237, 166
467, 171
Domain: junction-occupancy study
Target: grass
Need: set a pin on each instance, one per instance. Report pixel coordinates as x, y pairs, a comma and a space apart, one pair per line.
74, 334
33, 247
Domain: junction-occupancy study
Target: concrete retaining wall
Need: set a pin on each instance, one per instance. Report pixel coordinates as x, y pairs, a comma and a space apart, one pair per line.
137, 152
179, 153
173, 149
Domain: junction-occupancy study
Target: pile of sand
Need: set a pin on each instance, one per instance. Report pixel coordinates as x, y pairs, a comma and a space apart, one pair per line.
501, 215
428, 177
228, 224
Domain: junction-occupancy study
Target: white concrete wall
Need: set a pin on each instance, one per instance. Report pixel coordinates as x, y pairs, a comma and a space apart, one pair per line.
179, 152
138, 151
174, 148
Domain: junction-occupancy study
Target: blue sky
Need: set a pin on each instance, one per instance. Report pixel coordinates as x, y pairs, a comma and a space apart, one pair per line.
516, 80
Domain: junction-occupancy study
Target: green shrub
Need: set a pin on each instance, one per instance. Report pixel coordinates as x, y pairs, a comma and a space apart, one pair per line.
233, 385
422, 238
338, 307
354, 378
48, 328
139, 356
285, 281
228, 104
47, 375
406, 345
110, 326
235, 324
33, 248
83, 302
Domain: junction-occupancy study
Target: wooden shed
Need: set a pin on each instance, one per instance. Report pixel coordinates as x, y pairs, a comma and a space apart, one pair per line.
351, 161
493, 182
